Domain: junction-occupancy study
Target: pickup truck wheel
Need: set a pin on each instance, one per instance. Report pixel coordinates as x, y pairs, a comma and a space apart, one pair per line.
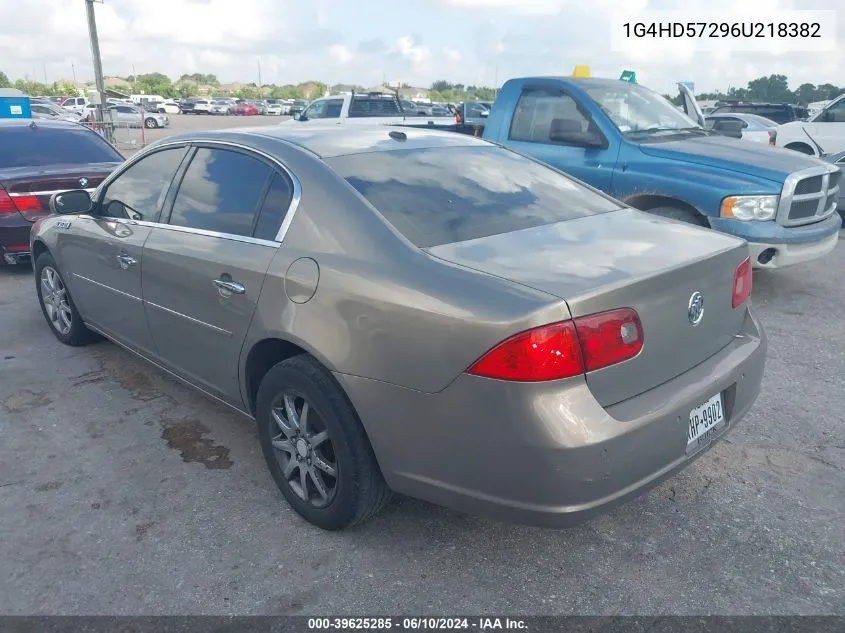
683, 215
57, 304
801, 147
315, 447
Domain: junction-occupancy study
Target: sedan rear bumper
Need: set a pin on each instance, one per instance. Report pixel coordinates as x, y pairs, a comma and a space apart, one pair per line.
547, 454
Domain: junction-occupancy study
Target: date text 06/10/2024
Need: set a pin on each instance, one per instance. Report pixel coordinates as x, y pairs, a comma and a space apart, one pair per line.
416, 624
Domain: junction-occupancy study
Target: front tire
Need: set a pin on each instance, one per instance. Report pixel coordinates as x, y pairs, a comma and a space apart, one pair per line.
316, 448
57, 305
150, 124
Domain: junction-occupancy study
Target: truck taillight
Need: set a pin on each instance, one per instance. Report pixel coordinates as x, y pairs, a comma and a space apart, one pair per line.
564, 349
773, 137
742, 283
458, 118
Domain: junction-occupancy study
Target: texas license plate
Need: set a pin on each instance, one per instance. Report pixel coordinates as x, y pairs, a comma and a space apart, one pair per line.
705, 421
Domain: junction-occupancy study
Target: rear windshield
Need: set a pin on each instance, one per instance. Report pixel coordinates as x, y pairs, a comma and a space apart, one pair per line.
22, 146
445, 195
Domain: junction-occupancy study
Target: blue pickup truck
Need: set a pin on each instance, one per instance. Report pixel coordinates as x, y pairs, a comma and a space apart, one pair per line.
631, 143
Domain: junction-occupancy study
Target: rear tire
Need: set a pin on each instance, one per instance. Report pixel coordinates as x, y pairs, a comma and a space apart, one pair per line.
58, 308
803, 148
299, 454
680, 214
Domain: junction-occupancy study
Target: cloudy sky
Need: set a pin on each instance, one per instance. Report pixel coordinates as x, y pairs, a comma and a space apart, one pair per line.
466, 41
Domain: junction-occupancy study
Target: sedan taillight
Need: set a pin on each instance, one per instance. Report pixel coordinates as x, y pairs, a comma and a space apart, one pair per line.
564, 349
13, 204
742, 283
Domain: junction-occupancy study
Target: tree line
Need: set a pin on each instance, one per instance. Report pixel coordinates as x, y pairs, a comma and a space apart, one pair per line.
773, 89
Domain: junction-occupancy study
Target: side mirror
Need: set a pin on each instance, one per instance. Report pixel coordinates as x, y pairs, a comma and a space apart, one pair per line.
70, 202
298, 117
485, 113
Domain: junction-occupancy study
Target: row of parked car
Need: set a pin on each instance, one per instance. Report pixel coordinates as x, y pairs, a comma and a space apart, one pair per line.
120, 113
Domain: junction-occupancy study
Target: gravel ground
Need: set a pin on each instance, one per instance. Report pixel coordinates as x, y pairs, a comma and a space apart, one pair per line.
124, 492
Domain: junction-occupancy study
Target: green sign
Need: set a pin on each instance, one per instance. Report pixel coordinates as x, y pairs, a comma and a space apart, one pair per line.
629, 75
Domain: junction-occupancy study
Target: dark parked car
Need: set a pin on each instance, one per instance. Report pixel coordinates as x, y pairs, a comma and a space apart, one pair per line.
501, 338
778, 112
298, 106
37, 159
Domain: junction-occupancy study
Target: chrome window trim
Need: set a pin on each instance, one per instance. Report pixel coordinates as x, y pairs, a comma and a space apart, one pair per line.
47, 193
286, 222
788, 196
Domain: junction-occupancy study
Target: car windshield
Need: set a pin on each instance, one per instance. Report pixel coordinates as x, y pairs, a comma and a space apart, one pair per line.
639, 112
27, 146
431, 201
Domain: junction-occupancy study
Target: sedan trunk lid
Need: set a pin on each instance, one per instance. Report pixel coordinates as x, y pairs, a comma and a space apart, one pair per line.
625, 259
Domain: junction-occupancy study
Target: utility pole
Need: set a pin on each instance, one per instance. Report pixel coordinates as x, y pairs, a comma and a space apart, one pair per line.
44, 67
98, 67
134, 79
73, 69
259, 78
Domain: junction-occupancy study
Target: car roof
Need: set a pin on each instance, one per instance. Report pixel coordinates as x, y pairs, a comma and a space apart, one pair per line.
332, 140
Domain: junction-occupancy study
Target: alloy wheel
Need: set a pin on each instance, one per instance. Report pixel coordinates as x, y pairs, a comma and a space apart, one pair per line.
304, 450
55, 299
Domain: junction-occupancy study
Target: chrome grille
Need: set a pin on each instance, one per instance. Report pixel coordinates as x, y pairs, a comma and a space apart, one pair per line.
809, 195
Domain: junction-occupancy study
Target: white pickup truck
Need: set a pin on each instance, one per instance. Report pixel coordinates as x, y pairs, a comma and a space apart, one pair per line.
364, 108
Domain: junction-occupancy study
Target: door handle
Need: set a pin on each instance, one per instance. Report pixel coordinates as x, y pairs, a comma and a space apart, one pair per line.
125, 261
231, 286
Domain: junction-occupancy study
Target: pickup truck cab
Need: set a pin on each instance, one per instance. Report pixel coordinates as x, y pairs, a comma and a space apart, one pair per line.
366, 108
631, 143
823, 132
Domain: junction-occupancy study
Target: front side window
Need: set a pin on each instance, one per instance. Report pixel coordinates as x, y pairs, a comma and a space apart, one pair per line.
425, 198
835, 113
138, 192
220, 192
316, 110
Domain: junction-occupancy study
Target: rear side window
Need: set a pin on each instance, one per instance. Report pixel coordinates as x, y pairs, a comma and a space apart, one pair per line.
220, 192
444, 195
23, 146
373, 106
273, 209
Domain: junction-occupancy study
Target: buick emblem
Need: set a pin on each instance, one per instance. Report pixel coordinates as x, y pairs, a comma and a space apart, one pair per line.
695, 308
83, 182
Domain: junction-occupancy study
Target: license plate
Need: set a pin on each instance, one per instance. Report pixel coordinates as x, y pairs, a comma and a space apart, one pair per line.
705, 421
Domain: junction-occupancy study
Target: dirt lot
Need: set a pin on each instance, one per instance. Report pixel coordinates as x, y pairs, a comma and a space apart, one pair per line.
123, 492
